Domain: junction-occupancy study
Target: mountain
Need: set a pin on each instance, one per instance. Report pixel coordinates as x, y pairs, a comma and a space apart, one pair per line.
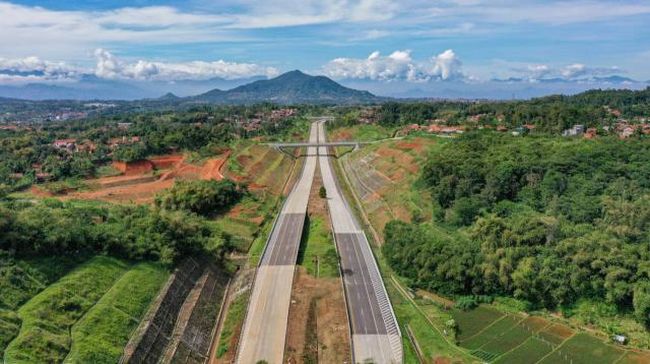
91, 87
293, 87
168, 97
615, 79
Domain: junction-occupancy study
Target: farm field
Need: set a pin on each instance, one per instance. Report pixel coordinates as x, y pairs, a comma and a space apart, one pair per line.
87, 315
502, 338
531, 351
472, 322
492, 332
584, 349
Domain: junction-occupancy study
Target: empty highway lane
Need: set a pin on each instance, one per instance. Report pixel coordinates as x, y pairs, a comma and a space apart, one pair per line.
375, 333
264, 331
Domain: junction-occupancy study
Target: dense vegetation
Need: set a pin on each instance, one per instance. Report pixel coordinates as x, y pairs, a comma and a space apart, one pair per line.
202, 197
51, 227
549, 114
550, 221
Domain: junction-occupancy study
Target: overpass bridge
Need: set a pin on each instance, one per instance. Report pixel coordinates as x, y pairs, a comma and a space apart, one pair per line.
282, 146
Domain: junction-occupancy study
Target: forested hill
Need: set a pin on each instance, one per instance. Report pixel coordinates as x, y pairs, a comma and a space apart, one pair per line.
553, 114
612, 98
550, 221
292, 87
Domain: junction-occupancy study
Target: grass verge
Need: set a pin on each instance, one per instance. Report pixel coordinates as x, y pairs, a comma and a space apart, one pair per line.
100, 336
48, 317
317, 253
232, 324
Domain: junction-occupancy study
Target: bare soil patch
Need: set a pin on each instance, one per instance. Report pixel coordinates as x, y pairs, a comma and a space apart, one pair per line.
436, 298
560, 330
415, 144
317, 206
317, 305
139, 182
633, 357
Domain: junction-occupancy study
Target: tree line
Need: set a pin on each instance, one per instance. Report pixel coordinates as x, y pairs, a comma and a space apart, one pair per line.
550, 114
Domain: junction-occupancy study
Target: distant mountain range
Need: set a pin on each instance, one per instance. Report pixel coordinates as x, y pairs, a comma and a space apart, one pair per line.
293, 87
297, 87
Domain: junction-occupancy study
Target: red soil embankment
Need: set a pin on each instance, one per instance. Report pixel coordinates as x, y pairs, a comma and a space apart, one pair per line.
134, 168
212, 168
167, 161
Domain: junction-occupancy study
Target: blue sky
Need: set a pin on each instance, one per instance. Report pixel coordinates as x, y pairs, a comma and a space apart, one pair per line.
407, 42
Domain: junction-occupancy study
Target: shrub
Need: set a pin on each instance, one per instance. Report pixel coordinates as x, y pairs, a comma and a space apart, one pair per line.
466, 303
201, 197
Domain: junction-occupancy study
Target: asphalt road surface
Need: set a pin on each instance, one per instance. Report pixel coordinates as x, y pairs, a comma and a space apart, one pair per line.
264, 332
375, 333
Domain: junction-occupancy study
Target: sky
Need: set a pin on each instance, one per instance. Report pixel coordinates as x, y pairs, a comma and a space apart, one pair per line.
381, 44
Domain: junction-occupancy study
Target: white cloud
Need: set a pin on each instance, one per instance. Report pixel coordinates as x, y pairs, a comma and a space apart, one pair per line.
33, 69
371, 35
108, 66
399, 65
446, 65
570, 72
547, 12
279, 13
60, 34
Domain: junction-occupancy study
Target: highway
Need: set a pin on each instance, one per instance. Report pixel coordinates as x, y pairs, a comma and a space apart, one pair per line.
264, 331
375, 334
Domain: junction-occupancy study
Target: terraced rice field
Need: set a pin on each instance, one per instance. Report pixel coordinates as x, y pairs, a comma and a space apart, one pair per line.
556, 334
635, 358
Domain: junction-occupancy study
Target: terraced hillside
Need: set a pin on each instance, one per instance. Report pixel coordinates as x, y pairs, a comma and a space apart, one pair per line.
20, 281
383, 175
265, 171
66, 321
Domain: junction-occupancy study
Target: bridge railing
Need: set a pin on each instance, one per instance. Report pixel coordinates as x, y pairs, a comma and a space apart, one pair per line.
328, 144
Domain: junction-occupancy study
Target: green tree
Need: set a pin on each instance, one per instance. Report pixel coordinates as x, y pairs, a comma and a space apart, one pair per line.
642, 302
